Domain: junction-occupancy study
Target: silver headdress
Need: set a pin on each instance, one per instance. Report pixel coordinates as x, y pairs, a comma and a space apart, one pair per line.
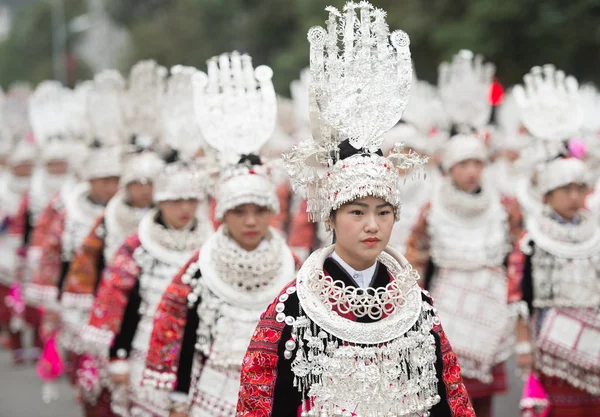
358, 91
180, 127
48, 115
180, 180
105, 105
551, 111
183, 179
511, 133
236, 107
427, 122
299, 92
144, 99
16, 119
142, 166
464, 86
550, 105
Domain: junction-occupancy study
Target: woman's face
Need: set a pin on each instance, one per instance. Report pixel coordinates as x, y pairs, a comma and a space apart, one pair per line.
103, 189
140, 194
178, 214
248, 224
22, 170
466, 175
568, 200
362, 230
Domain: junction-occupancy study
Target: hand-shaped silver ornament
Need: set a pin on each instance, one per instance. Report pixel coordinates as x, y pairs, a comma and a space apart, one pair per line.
358, 91
464, 86
236, 102
549, 103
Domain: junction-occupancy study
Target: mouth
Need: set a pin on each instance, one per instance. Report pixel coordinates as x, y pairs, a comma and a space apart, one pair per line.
251, 234
371, 241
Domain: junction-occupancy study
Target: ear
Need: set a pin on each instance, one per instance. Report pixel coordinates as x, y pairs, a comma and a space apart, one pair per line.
331, 223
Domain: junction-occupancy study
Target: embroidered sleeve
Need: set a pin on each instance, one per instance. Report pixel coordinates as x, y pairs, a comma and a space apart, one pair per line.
302, 232
515, 218
167, 333
44, 285
118, 280
517, 273
19, 230
83, 273
19, 222
417, 245
260, 371
78, 290
456, 394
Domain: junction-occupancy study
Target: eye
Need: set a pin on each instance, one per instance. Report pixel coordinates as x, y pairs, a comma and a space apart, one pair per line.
385, 212
356, 212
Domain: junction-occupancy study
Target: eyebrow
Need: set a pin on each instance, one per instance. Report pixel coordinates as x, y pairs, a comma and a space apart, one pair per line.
365, 205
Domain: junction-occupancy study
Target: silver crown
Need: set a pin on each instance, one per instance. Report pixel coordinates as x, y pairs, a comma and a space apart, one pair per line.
236, 106
549, 103
358, 89
180, 128
144, 99
464, 86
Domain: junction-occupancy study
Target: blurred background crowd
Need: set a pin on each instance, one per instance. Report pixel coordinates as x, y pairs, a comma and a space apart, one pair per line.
71, 40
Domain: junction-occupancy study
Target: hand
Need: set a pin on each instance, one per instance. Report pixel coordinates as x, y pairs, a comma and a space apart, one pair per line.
525, 362
119, 379
51, 319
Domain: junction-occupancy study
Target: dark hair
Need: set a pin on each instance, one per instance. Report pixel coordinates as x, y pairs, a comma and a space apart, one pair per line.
456, 129
171, 156
345, 150
250, 159
96, 143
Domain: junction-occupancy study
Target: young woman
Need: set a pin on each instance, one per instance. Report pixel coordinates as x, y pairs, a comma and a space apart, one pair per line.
207, 315
554, 271
554, 286
353, 334
120, 219
459, 245
464, 234
133, 283
14, 187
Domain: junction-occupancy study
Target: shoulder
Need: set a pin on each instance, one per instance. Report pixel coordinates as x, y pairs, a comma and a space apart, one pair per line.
511, 205
132, 242
285, 304
525, 243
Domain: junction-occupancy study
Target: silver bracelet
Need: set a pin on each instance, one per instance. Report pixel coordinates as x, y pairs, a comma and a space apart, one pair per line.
523, 348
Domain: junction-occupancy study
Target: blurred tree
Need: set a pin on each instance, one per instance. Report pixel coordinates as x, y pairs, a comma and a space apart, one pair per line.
514, 34
27, 52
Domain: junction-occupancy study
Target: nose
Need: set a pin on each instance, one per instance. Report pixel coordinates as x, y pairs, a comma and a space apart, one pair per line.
250, 219
371, 225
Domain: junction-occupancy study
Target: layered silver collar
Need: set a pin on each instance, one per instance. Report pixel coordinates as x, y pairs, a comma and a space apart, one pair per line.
568, 240
169, 245
463, 205
396, 306
242, 278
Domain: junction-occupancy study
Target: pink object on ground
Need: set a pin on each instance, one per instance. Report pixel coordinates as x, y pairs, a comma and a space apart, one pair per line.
50, 365
534, 402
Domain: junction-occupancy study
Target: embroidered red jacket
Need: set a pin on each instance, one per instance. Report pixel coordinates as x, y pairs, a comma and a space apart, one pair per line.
267, 388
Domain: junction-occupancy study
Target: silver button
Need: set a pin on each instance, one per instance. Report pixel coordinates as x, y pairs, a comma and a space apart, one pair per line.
355, 276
